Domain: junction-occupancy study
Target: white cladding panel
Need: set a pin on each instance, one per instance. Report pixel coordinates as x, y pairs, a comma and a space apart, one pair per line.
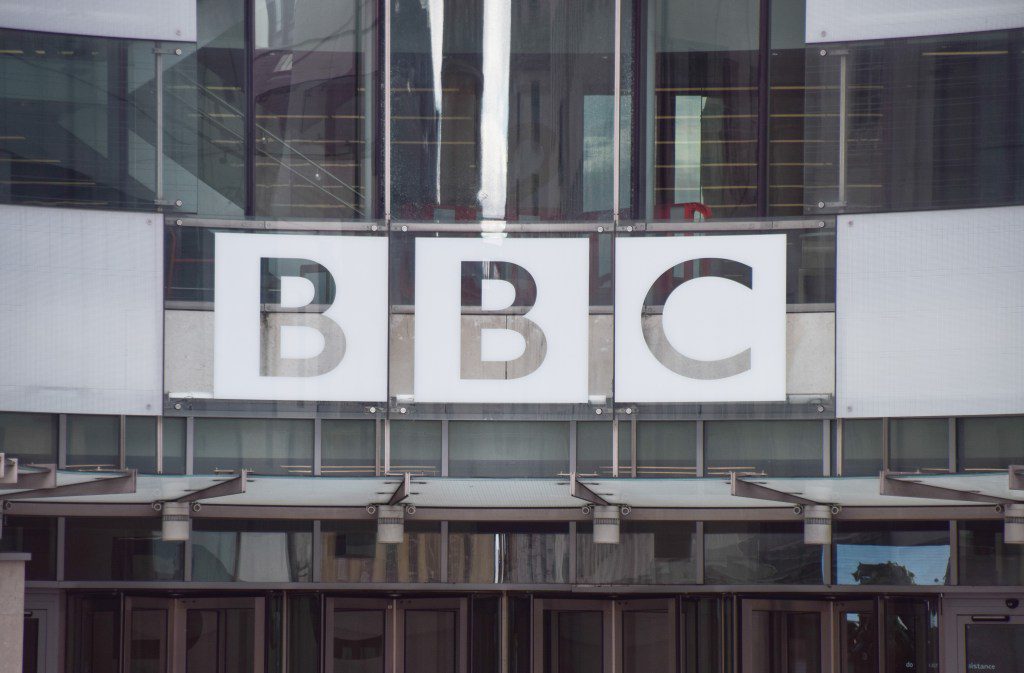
164, 20
930, 313
81, 311
849, 20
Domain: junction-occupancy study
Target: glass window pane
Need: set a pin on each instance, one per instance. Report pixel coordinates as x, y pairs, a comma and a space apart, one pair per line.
93, 442
992, 443
303, 635
759, 553
251, 551
358, 641
648, 553
512, 553
919, 444
776, 448
986, 559
994, 647
666, 449
508, 449
348, 448
701, 142
431, 641
119, 548
911, 635
36, 535
880, 552
140, 443
174, 445
31, 438
314, 75
416, 447
96, 627
594, 448
862, 447
264, 445
502, 110
351, 553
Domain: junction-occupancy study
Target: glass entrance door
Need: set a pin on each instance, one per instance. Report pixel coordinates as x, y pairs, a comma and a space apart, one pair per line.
858, 631
193, 635
990, 642
425, 635
786, 636
602, 636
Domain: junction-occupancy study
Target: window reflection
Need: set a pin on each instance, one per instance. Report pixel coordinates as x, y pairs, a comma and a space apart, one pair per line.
251, 551
120, 549
759, 553
502, 109
647, 553
891, 553
514, 553
985, 557
351, 553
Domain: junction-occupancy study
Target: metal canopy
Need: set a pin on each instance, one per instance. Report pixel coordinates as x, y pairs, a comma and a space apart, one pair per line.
23, 477
915, 487
469, 493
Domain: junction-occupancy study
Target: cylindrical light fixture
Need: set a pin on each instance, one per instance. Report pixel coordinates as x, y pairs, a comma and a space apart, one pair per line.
175, 526
606, 524
817, 524
390, 524
1013, 524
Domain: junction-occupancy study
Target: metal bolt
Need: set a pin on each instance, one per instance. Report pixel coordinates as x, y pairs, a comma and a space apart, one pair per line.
373, 410
821, 204
373, 227
177, 52
600, 230
629, 410
597, 411
823, 52
177, 203
402, 410
177, 405
629, 227
405, 228
178, 222
821, 224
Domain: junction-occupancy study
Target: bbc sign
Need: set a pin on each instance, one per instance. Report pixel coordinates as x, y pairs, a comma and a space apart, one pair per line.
697, 319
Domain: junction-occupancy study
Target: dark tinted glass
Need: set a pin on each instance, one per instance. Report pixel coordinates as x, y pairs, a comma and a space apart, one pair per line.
994, 647
701, 100
775, 448
416, 447
120, 549
594, 448
931, 122
264, 445
174, 445
507, 449
759, 553
95, 645
911, 635
140, 443
251, 551
93, 442
919, 444
351, 553
648, 552
666, 449
303, 632
985, 558
992, 443
314, 76
525, 553
502, 111
36, 535
31, 438
879, 552
348, 448
862, 447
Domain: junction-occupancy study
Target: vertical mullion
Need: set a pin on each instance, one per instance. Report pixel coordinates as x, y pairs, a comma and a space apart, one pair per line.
617, 114
573, 570
826, 447
62, 441
615, 447
61, 543
572, 447
632, 447
699, 552
701, 462
378, 447
885, 444
444, 448
444, 552
386, 85
317, 550
953, 467
159, 444
763, 92
249, 159
187, 553
318, 426
954, 552
122, 459
839, 447
190, 427
826, 563
387, 445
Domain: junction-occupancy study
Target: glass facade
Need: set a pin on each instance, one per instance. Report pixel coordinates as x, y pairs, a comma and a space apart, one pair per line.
251, 551
892, 553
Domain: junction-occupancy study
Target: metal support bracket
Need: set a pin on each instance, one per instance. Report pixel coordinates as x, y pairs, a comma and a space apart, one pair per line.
403, 490
28, 477
578, 489
896, 485
122, 484
233, 486
742, 488
1016, 477
8, 469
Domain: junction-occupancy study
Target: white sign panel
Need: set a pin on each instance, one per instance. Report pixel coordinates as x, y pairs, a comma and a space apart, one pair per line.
292, 344
700, 319
850, 20
165, 20
485, 355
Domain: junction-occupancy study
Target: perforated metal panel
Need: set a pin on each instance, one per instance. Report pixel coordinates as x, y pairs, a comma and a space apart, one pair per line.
930, 313
171, 20
80, 311
848, 20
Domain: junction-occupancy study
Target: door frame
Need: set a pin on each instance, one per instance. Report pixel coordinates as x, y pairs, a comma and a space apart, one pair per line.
47, 607
824, 608
670, 606
168, 605
839, 608
606, 607
461, 608
386, 605
183, 605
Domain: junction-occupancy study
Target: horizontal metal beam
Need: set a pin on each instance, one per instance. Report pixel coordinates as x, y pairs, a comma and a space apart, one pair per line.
232, 486
104, 486
578, 489
742, 488
890, 484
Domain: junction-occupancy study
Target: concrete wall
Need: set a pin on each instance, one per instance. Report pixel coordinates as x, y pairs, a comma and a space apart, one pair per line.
12, 611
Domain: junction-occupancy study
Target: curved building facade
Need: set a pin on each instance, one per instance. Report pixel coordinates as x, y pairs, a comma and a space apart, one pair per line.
482, 336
